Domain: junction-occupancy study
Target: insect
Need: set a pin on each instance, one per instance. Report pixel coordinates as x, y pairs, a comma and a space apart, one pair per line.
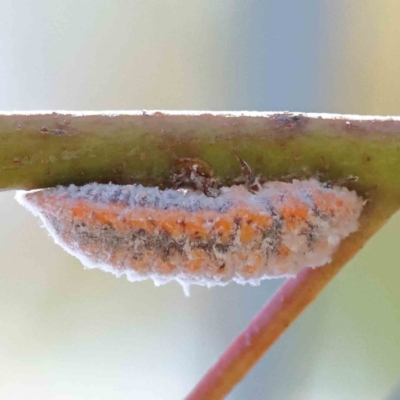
201, 235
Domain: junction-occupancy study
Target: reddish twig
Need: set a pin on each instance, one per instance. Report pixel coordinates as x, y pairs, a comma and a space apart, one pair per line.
290, 300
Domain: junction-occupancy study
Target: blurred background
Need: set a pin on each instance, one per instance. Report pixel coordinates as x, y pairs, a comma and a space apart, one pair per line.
67, 333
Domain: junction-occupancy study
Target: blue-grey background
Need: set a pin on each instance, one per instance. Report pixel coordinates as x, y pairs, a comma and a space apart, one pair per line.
67, 333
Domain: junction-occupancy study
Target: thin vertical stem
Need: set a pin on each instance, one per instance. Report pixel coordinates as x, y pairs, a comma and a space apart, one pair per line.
276, 316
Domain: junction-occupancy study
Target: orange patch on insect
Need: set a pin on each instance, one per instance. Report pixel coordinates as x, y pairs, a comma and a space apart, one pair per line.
193, 265
262, 221
339, 203
326, 202
195, 225
251, 223
247, 233
166, 268
197, 258
294, 213
171, 221
142, 265
256, 261
223, 227
283, 250
81, 209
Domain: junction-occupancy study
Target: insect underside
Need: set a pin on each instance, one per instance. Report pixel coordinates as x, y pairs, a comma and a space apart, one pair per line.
201, 235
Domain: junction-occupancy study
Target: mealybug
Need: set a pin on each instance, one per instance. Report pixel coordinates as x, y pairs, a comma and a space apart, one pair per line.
204, 235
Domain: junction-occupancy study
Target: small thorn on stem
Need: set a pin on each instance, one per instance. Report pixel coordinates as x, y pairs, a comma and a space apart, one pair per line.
252, 183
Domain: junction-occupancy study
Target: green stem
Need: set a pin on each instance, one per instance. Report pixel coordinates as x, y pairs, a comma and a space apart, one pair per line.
46, 149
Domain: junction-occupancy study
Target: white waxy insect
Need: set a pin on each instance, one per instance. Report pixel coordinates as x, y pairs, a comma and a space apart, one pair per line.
237, 235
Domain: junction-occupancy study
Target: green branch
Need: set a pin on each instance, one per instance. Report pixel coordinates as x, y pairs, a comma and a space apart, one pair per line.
46, 149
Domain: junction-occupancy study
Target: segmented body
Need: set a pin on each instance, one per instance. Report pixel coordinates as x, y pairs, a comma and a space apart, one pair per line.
192, 238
